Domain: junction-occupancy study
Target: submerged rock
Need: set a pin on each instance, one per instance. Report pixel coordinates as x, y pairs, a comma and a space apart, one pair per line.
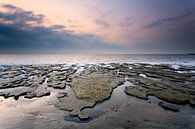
168, 107
75, 113
192, 102
83, 117
78, 114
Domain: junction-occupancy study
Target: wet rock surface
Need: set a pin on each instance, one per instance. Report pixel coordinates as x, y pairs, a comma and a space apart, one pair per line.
92, 84
32, 80
137, 92
168, 107
163, 82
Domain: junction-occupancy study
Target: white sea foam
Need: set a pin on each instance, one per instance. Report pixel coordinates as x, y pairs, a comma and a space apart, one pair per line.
192, 71
130, 67
143, 75
80, 69
175, 66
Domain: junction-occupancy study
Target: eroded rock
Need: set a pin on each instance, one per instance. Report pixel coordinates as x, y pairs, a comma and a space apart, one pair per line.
38, 92
136, 91
168, 107
89, 88
95, 87
169, 86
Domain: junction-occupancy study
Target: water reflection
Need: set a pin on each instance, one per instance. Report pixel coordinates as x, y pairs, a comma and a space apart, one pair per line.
13, 112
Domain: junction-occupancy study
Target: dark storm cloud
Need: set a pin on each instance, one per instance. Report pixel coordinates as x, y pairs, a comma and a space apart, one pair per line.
19, 16
58, 27
17, 34
16, 30
167, 20
10, 6
12, 36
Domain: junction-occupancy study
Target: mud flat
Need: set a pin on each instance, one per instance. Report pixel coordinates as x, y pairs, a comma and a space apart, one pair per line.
137, 96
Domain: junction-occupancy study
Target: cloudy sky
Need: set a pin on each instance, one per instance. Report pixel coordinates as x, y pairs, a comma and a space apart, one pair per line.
97, 26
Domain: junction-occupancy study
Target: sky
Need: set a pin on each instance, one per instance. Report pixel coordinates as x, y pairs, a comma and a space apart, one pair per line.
97, 26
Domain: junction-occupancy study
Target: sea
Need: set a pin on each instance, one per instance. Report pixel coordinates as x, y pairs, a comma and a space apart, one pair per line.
173, 59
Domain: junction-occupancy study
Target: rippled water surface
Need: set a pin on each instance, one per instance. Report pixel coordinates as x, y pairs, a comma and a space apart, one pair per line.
93, 59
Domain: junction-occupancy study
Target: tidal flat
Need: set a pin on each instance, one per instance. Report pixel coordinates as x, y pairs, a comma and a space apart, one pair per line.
90, 96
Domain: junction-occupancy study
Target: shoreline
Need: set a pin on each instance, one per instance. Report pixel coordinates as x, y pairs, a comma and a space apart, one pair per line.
96, 59
93, 85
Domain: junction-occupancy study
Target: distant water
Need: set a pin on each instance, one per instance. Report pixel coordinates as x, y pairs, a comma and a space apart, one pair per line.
94, 59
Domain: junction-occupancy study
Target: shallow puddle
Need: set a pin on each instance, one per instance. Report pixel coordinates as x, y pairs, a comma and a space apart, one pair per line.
14, 113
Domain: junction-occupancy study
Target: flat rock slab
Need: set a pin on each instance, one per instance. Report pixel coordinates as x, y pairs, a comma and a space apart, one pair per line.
137, 92
89, 88
95, 86
15, 92
168, 85
38, 92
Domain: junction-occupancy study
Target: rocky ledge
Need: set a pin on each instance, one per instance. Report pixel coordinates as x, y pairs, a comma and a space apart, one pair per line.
91, 84
163, 82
